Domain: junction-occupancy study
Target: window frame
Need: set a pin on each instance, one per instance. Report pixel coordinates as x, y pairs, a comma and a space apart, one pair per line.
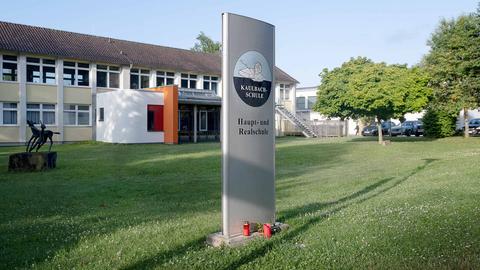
41, 64
11, 62
140, 73
189, 78
108, 71
76, 68
304, 103
308, 102
2, 110
76, 111
209, 80
41, 110
283, 90
164, 77
101, 114
200, 120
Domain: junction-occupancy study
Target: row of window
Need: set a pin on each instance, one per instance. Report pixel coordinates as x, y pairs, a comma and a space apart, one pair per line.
206, 120
73, 115
41, 70
306, 102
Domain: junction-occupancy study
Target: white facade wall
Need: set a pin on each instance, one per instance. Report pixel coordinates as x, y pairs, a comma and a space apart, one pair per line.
282, 124
125, 116
310, 115
305, 113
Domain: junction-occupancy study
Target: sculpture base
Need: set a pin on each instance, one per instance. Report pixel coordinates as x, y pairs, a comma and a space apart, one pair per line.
36, 161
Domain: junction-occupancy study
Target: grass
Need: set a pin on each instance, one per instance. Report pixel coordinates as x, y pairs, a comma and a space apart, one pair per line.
350, 204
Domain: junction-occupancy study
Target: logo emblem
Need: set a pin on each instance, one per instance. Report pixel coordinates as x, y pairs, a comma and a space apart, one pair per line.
252, 78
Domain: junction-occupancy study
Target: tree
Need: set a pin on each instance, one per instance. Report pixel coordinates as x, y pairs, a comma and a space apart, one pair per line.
454, 64
361, 87
439, 122
206, 44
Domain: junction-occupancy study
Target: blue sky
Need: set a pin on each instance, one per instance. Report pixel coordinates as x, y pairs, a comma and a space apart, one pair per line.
310, 35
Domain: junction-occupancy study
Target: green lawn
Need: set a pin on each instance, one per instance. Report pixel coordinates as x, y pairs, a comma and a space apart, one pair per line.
350, 204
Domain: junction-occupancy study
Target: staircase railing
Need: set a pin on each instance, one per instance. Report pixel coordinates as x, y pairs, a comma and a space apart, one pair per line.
297, 122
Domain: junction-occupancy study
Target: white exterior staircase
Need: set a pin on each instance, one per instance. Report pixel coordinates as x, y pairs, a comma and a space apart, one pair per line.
297, 122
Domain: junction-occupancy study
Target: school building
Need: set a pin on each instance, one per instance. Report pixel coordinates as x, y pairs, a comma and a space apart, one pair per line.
98, 88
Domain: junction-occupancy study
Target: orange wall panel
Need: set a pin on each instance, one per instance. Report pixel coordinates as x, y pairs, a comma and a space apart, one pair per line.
170, 112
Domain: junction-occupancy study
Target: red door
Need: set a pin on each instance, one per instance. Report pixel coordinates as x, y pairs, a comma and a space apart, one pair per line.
155, 118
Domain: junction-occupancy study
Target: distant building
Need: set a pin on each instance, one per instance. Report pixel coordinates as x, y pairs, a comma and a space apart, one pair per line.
306, 97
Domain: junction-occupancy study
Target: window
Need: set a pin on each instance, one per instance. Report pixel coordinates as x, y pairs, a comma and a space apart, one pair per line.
203, 121
108, 76
8, 68
139, 78
155, 117
8, 113
284, 91
76, 115
311, 102
189, 81
40, 70
165, 78
301, 103
213, 122
76, 74
101, 114
210, 83
41, 112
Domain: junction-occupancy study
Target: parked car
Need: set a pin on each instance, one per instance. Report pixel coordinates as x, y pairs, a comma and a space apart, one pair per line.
473, 126
387, 126
396, 130
372, 129
408, 128
476, 131
418, 128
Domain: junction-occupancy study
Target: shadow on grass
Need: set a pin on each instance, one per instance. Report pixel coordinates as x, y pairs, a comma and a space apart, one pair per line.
163, 257
338, 206
360, 196
314, 207
330, 154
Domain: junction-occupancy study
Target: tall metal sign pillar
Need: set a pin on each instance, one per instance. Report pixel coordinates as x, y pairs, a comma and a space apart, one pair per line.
248, 134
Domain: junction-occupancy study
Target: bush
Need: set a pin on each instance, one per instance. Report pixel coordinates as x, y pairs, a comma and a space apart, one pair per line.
439, 123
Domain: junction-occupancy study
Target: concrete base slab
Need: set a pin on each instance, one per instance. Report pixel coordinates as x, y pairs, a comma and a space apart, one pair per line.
218, 239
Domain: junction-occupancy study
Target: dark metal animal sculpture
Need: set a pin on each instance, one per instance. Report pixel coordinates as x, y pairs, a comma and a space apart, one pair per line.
35, 136
42, 138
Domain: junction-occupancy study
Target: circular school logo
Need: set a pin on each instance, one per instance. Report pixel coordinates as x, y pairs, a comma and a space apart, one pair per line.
252, 78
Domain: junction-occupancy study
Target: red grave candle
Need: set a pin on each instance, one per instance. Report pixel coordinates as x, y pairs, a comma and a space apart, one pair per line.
246, 229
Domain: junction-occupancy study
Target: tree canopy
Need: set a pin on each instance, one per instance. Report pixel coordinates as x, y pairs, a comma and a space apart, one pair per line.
361, 87
453, 63
206, 44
